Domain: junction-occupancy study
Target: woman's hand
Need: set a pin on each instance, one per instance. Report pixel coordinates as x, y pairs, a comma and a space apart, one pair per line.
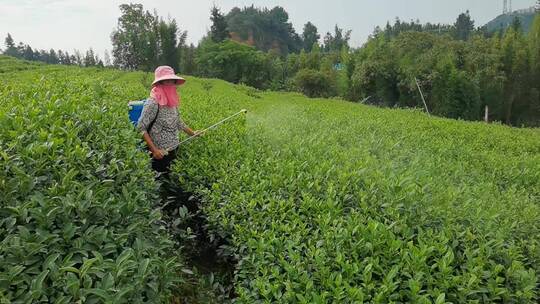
198, 133
158, 154
190, 132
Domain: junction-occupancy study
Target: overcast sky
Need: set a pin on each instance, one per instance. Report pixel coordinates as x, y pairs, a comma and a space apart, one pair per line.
81, 24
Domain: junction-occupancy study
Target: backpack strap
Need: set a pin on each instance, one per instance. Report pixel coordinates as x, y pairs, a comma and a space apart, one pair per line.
154, 120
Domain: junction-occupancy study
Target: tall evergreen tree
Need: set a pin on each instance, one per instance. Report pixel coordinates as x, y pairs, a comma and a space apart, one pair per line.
337, 41
169, 54
53, 58
516, 25
188, 63
310, 36
90, 58
10, 50
464, 26
67, 58
28, 53
218, 31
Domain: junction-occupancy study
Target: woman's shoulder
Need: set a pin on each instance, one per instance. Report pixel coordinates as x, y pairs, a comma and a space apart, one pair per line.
152, 103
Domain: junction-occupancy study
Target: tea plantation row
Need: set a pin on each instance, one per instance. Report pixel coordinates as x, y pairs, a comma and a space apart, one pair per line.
333, 202
77, 221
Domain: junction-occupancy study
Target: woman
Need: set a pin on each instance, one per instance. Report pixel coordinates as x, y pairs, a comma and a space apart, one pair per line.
160, 121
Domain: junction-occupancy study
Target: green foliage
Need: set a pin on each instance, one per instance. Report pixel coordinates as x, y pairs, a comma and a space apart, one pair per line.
234, 62
24, 51
399, 26
315, 83
458, 78
77, 215
143, 41
333, 202
135, 41
464, 26
218, 31
168, 36
10, 50
337, 41
267, 29
310, 36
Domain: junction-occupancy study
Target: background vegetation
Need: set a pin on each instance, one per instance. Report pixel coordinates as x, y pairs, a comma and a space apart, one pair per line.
461, 68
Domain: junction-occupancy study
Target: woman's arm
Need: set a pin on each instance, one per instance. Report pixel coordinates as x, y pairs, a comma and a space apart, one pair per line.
156, 153
189, 131
148, 117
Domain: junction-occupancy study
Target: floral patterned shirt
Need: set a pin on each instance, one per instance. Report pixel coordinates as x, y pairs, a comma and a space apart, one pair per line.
165, 131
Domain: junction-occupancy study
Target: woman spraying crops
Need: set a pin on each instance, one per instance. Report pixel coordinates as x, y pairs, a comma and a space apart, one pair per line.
160, 121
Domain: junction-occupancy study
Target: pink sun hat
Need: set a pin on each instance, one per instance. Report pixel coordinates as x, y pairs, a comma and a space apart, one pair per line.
166, 73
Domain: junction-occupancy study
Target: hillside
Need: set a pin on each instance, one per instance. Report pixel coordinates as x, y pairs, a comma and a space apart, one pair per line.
502, 22
319, 201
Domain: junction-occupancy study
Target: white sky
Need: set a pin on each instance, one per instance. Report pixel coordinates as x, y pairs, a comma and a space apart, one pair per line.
81, 24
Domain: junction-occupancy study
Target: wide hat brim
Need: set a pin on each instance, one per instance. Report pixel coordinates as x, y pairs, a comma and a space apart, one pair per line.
179, 80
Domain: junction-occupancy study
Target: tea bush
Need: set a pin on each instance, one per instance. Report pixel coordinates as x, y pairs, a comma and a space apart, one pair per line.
334, 202
77, 221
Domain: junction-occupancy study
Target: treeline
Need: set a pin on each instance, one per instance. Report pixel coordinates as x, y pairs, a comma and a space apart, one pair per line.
460, 68
460, 74
255, 46
26, 52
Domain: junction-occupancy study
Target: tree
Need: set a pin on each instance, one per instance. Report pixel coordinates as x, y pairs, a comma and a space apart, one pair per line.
188, 64
234, 62
534, 49
10, 50
53, 58
218, 31
187, 59
263, 28
310, 36
28, 53
135, 45
334, 43
90, 59
77, 58
67, 59
515, 64
516, 25
315, 83
169, 53
464, 26
107, 59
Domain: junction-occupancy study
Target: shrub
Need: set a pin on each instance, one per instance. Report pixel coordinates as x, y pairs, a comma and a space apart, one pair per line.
315, 83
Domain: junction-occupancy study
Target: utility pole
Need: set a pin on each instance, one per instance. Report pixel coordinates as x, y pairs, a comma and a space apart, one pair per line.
422, 94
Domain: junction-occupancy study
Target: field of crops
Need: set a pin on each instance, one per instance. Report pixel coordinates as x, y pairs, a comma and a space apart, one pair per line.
321, 201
